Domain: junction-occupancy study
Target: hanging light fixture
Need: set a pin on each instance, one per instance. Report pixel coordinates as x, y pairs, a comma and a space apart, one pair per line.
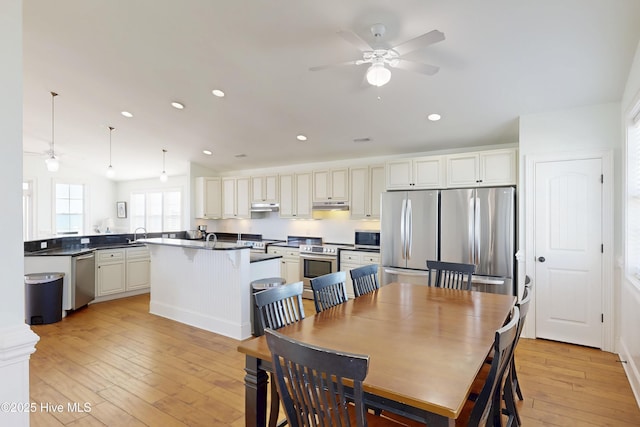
52, 162
378, 74
163, 176
110, 170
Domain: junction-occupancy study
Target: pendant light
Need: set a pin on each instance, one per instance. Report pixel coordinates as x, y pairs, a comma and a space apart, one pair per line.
52, 162
110, 170
163, 176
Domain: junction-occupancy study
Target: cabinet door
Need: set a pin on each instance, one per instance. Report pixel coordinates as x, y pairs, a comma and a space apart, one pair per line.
321, 186
286, 196
292, 271
359, 183
349, 283
498, 167
243, 206
138, 274
257, 189
302, 195
339, 185
463, 170
428, 172
376, 188
208, 193
110, 278
271, 188
399, 174
228, 197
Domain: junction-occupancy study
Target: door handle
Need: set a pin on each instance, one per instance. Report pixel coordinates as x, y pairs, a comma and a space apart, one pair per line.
541, 259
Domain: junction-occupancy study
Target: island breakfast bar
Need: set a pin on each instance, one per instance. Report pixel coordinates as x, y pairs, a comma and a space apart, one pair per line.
206, 285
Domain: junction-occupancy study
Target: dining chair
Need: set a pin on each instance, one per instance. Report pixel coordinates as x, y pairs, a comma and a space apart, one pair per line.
311, 384
512, 385
278, 307
450, 275
329, 290
365, 279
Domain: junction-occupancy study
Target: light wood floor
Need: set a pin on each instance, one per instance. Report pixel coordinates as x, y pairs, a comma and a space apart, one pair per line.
135, 369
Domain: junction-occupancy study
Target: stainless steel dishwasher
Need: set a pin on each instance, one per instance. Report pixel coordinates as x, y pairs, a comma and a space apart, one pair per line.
83, 279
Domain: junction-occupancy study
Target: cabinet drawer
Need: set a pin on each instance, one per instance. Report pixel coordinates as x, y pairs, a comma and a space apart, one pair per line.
350, 257
371, 258
140, 252
292, 253
111, 255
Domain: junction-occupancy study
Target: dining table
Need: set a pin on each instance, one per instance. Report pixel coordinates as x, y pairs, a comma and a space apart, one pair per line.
426, 345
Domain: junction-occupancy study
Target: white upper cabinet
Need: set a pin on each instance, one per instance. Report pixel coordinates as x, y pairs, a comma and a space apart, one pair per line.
482, 169
331, 185
295, 195
264, 189
415, 173
367, 182
208, 194
235, 197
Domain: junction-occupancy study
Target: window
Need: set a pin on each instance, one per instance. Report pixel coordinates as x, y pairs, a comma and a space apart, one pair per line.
633, 197
27, 210
69, 212
156, 210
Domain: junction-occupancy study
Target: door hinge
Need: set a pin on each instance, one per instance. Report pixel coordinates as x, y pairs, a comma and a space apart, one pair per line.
601, 317
602, 248
601, 178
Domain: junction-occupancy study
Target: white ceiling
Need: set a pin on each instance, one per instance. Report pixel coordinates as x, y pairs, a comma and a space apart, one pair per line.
500, 59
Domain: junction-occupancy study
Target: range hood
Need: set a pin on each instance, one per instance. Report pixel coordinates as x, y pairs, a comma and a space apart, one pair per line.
330, 206
265, 207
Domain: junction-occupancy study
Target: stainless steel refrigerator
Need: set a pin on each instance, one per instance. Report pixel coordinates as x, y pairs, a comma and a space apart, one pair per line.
408, 234
478, 227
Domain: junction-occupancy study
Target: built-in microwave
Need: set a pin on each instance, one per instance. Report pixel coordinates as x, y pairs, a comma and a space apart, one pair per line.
367, 239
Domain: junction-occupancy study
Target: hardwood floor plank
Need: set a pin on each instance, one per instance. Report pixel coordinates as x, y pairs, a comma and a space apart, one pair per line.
137, 369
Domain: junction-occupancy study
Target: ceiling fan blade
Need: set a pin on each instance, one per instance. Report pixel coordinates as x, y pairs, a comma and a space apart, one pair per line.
340, 64
417, 67
355, 40
424, 40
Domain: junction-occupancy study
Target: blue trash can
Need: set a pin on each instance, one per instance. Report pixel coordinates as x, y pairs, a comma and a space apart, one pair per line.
43, 298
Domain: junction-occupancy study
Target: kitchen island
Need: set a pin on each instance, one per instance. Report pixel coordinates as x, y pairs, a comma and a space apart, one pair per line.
205, 285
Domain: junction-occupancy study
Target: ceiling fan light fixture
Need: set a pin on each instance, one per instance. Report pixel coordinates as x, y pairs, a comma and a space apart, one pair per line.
111, 172
52, 163
378, 75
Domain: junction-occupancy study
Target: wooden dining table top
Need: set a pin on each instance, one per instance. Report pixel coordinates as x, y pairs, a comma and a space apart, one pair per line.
426, 344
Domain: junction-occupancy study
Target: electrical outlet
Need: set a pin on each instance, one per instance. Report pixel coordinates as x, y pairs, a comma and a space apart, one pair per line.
172, 235
84, 240
43, 245
165, 236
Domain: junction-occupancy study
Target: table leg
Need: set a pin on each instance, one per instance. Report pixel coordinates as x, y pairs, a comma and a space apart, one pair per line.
255, 388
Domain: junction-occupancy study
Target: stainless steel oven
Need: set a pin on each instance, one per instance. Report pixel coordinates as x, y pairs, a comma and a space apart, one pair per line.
316, 261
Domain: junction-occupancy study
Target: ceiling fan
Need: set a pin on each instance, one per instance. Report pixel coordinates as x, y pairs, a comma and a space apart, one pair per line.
379, 56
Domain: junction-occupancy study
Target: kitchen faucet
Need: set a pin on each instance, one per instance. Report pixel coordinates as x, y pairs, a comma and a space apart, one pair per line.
135, 233
215, 239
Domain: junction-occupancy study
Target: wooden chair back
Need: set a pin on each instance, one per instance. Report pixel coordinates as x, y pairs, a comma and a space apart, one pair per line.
450, 275
310, 382
329, 290
487, 408
280, 306
365, 279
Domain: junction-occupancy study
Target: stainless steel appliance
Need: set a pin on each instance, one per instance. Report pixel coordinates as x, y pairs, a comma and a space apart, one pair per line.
478, 227
258, 246
367, 239
409, 234
83, 279
315, 261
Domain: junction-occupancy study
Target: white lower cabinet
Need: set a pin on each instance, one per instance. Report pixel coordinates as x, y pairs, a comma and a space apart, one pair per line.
354, 259
122, 272
289, 263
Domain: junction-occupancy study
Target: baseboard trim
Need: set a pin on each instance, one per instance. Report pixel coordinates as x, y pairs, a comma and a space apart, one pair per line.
631, 369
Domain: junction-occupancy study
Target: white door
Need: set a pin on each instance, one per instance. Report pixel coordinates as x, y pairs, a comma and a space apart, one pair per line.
568, 251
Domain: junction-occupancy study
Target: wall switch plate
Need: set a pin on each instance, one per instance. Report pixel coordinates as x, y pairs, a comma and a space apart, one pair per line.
43, 245
84, 240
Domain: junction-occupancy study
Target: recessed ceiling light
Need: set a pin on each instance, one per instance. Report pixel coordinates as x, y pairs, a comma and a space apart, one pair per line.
218, 93
177, 105
301, 137
126, 114
207, 152
434, 117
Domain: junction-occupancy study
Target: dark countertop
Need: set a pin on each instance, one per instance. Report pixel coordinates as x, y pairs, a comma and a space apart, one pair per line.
375, 251
263, 257
80, 249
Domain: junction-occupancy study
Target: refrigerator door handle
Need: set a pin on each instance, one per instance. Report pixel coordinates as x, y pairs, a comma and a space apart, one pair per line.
476, 232
471, 232
409, 228
403, 233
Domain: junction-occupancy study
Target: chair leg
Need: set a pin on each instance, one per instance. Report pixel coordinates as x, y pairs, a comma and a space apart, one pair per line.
511, 411
515, 381
275, 406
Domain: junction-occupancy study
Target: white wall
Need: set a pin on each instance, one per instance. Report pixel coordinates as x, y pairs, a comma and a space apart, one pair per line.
629, 315
99, 192
16, 339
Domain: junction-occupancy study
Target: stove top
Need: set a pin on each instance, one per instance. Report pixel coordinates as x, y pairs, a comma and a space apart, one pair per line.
325, 249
